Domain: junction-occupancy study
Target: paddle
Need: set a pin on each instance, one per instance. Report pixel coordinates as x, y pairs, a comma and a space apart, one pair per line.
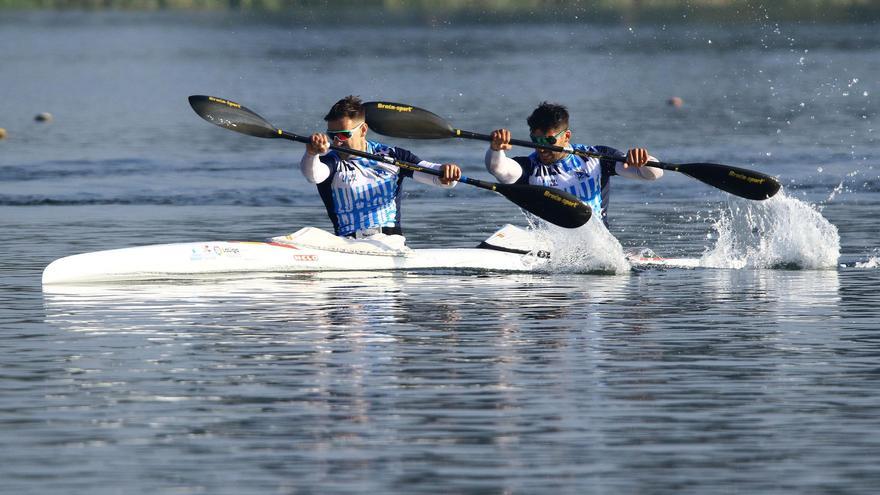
406, 121
557, 207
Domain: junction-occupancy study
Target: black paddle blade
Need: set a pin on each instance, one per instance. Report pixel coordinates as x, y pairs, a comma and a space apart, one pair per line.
738, 181
232, 116
406, 121
555, 206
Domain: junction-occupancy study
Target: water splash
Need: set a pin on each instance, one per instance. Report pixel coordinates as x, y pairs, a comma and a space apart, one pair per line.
872, 263
588, 249
781, 232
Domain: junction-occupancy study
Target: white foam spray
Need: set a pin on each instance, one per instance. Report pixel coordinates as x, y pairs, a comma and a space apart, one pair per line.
781, 232
588, 249
872, 263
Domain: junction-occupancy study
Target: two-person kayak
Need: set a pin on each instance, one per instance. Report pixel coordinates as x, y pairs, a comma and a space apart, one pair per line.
309, 250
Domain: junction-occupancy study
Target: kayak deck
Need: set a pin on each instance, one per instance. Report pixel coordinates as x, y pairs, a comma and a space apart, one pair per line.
188, 259
308, 250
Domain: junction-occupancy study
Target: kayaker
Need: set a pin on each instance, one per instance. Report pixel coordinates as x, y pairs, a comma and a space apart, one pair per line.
362, 196
586, 178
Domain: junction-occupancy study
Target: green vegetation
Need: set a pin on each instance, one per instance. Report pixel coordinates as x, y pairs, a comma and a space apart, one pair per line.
643, 10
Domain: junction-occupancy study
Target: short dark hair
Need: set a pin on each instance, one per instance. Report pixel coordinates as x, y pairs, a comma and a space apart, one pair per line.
548, 116
350, 106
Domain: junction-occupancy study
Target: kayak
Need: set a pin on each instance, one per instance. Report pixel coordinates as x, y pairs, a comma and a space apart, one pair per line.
310, 250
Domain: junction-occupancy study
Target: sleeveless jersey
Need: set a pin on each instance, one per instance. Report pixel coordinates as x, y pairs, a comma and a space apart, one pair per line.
586, 178
361, 193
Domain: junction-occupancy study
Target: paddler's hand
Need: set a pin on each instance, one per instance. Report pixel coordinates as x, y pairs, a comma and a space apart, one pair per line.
636, 157
500, 140
319, 144
450, 173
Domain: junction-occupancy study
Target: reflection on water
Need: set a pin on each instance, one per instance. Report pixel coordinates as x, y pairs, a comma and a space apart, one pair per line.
368, 305
353, 302
447, 382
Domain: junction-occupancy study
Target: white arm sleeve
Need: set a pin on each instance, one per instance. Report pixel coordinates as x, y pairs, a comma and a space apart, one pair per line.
313, 169
505, 169
431, 179
644, 173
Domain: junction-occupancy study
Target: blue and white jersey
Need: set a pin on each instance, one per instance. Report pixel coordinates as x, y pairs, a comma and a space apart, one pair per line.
586, 178
361, 193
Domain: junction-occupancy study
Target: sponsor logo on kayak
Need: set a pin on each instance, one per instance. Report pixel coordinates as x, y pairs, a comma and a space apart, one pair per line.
398, 108
225, 102
560, 199
210, 252
305, 257
202, 253
753, 180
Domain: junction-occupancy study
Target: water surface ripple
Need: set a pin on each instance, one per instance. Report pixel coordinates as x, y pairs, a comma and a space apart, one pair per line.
730, 380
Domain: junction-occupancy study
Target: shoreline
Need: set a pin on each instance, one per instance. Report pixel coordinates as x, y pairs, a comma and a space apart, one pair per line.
490, 11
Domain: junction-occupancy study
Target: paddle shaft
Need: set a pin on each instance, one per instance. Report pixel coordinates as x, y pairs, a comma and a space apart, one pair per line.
528, 144
386, 159
741, 182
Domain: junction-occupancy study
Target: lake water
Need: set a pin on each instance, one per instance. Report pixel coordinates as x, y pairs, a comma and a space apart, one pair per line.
759, 375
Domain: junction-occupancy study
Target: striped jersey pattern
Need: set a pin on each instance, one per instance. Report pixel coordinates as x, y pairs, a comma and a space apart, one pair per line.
585, 178
361, 193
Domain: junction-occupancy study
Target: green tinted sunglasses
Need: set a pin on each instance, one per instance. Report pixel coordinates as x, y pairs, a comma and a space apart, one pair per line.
547, 140
343, 135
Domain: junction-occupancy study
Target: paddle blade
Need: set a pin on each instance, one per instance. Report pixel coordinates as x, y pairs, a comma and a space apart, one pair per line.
406, 121
232, 116
555, 206
738, 181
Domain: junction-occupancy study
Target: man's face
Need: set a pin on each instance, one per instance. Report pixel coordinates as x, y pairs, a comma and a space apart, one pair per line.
558, 136
353, 135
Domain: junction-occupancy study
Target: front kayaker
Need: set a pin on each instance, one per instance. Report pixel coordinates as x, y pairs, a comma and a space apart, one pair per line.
362, 196
586, 178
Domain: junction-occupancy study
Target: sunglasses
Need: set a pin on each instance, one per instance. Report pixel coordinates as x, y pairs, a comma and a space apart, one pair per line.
343, 135
547, 140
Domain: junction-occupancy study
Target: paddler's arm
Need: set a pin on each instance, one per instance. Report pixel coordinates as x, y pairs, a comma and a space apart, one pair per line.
635, 168
505, 169
313, 169
451, 173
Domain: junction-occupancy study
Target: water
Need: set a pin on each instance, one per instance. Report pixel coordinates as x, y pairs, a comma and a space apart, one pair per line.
759, 375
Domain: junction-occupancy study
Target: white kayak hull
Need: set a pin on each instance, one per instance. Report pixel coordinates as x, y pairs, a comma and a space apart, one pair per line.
322, 253
186, 260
